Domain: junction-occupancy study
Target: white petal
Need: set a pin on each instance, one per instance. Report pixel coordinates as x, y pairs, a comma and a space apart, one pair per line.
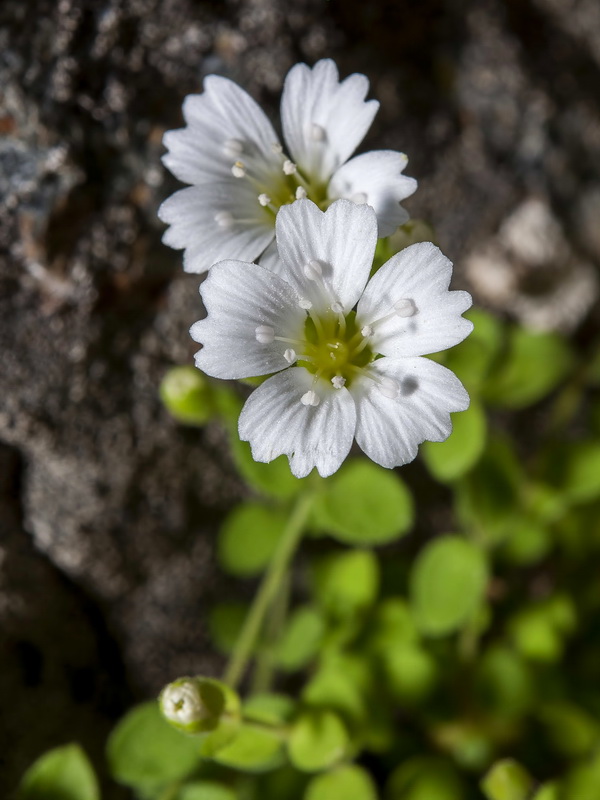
223, 113
271, 259
193, 215
324, 120
240, 298
421, 274
342, 239
376, 178
389, 430
275, 422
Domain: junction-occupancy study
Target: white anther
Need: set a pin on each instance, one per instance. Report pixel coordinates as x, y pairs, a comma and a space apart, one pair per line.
264, 334
317, 132
233, 148
305, 304
310, 399
359, 197
264, 199
389, 388
224, 219
290, 355
238, 170
276, 148
337, 308
367, 330
289, 167
313, 270
338, 381
300, 193
405, 307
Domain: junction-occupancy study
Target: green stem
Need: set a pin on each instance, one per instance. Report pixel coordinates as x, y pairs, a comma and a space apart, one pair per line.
267, 592
264, 669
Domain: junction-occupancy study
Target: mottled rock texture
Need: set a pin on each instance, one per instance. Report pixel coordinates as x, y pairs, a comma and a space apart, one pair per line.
107, 508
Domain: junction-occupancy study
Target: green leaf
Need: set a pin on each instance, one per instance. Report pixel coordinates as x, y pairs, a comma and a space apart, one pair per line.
225, 622
549, 791
572, 731
206, 790
349, 782
346, 583
507, 780
318, 739
248, 538
338, 690
64, 773
447, 584
145, 752
301, 639
273, 479
534, 365
582, 483
187, 395
461, 451
504, 682
254, 749
582, 781
473, 358
424, 779
364, 504
411, 672
391, 624
270, 708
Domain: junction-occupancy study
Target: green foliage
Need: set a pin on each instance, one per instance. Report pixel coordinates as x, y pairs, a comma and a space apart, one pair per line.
206, 790
254, 749
474, 358
461, 451
225, 623
301, 639
318, 740
582, 479
348, 782
534, 365
424, 779
346, 583
249, 537
61, 774
507, 780
364, 504
146, 753
447, 584
187, 395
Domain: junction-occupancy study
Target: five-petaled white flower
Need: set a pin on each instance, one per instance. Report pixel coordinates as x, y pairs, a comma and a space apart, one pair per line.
340, 373
240, 174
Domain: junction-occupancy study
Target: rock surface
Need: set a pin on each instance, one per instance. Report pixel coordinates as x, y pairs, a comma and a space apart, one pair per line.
108, 509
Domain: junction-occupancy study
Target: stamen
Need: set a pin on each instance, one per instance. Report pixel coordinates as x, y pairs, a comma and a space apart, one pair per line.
264, 334
290, 355
337, 308
338, 381
264, 199
305, 304
289, 167
233, 148
359, 197
301, 193
405, 307
224, 219
317, 132
313, 271
278, 149
238, 170
367, 330
310, 399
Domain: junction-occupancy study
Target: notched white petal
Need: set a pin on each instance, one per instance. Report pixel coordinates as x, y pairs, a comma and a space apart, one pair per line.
313, 425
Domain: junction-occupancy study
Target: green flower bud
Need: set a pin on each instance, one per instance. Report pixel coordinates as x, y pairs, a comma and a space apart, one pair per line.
199, 705
187, 395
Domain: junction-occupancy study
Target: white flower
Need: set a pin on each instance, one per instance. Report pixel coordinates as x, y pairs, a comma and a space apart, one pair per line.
240, 174
331, 385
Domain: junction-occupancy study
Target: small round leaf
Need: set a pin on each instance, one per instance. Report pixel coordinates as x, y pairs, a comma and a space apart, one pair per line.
447, 584
64, 773
349, 782
248, 538
318, 740
461, 451
346, 583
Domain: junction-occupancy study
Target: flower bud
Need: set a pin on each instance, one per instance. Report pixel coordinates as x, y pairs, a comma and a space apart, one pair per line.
199, 705
187, 395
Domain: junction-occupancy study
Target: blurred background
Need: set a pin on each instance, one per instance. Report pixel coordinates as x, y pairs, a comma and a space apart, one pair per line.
108, 507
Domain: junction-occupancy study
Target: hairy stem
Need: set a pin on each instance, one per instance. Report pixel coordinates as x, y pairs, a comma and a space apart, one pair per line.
268, 590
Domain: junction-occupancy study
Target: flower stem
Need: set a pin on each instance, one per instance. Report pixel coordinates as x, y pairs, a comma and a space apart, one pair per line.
268, 590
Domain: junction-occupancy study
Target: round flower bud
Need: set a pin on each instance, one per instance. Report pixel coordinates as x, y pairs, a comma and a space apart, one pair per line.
198, 705
187, 395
